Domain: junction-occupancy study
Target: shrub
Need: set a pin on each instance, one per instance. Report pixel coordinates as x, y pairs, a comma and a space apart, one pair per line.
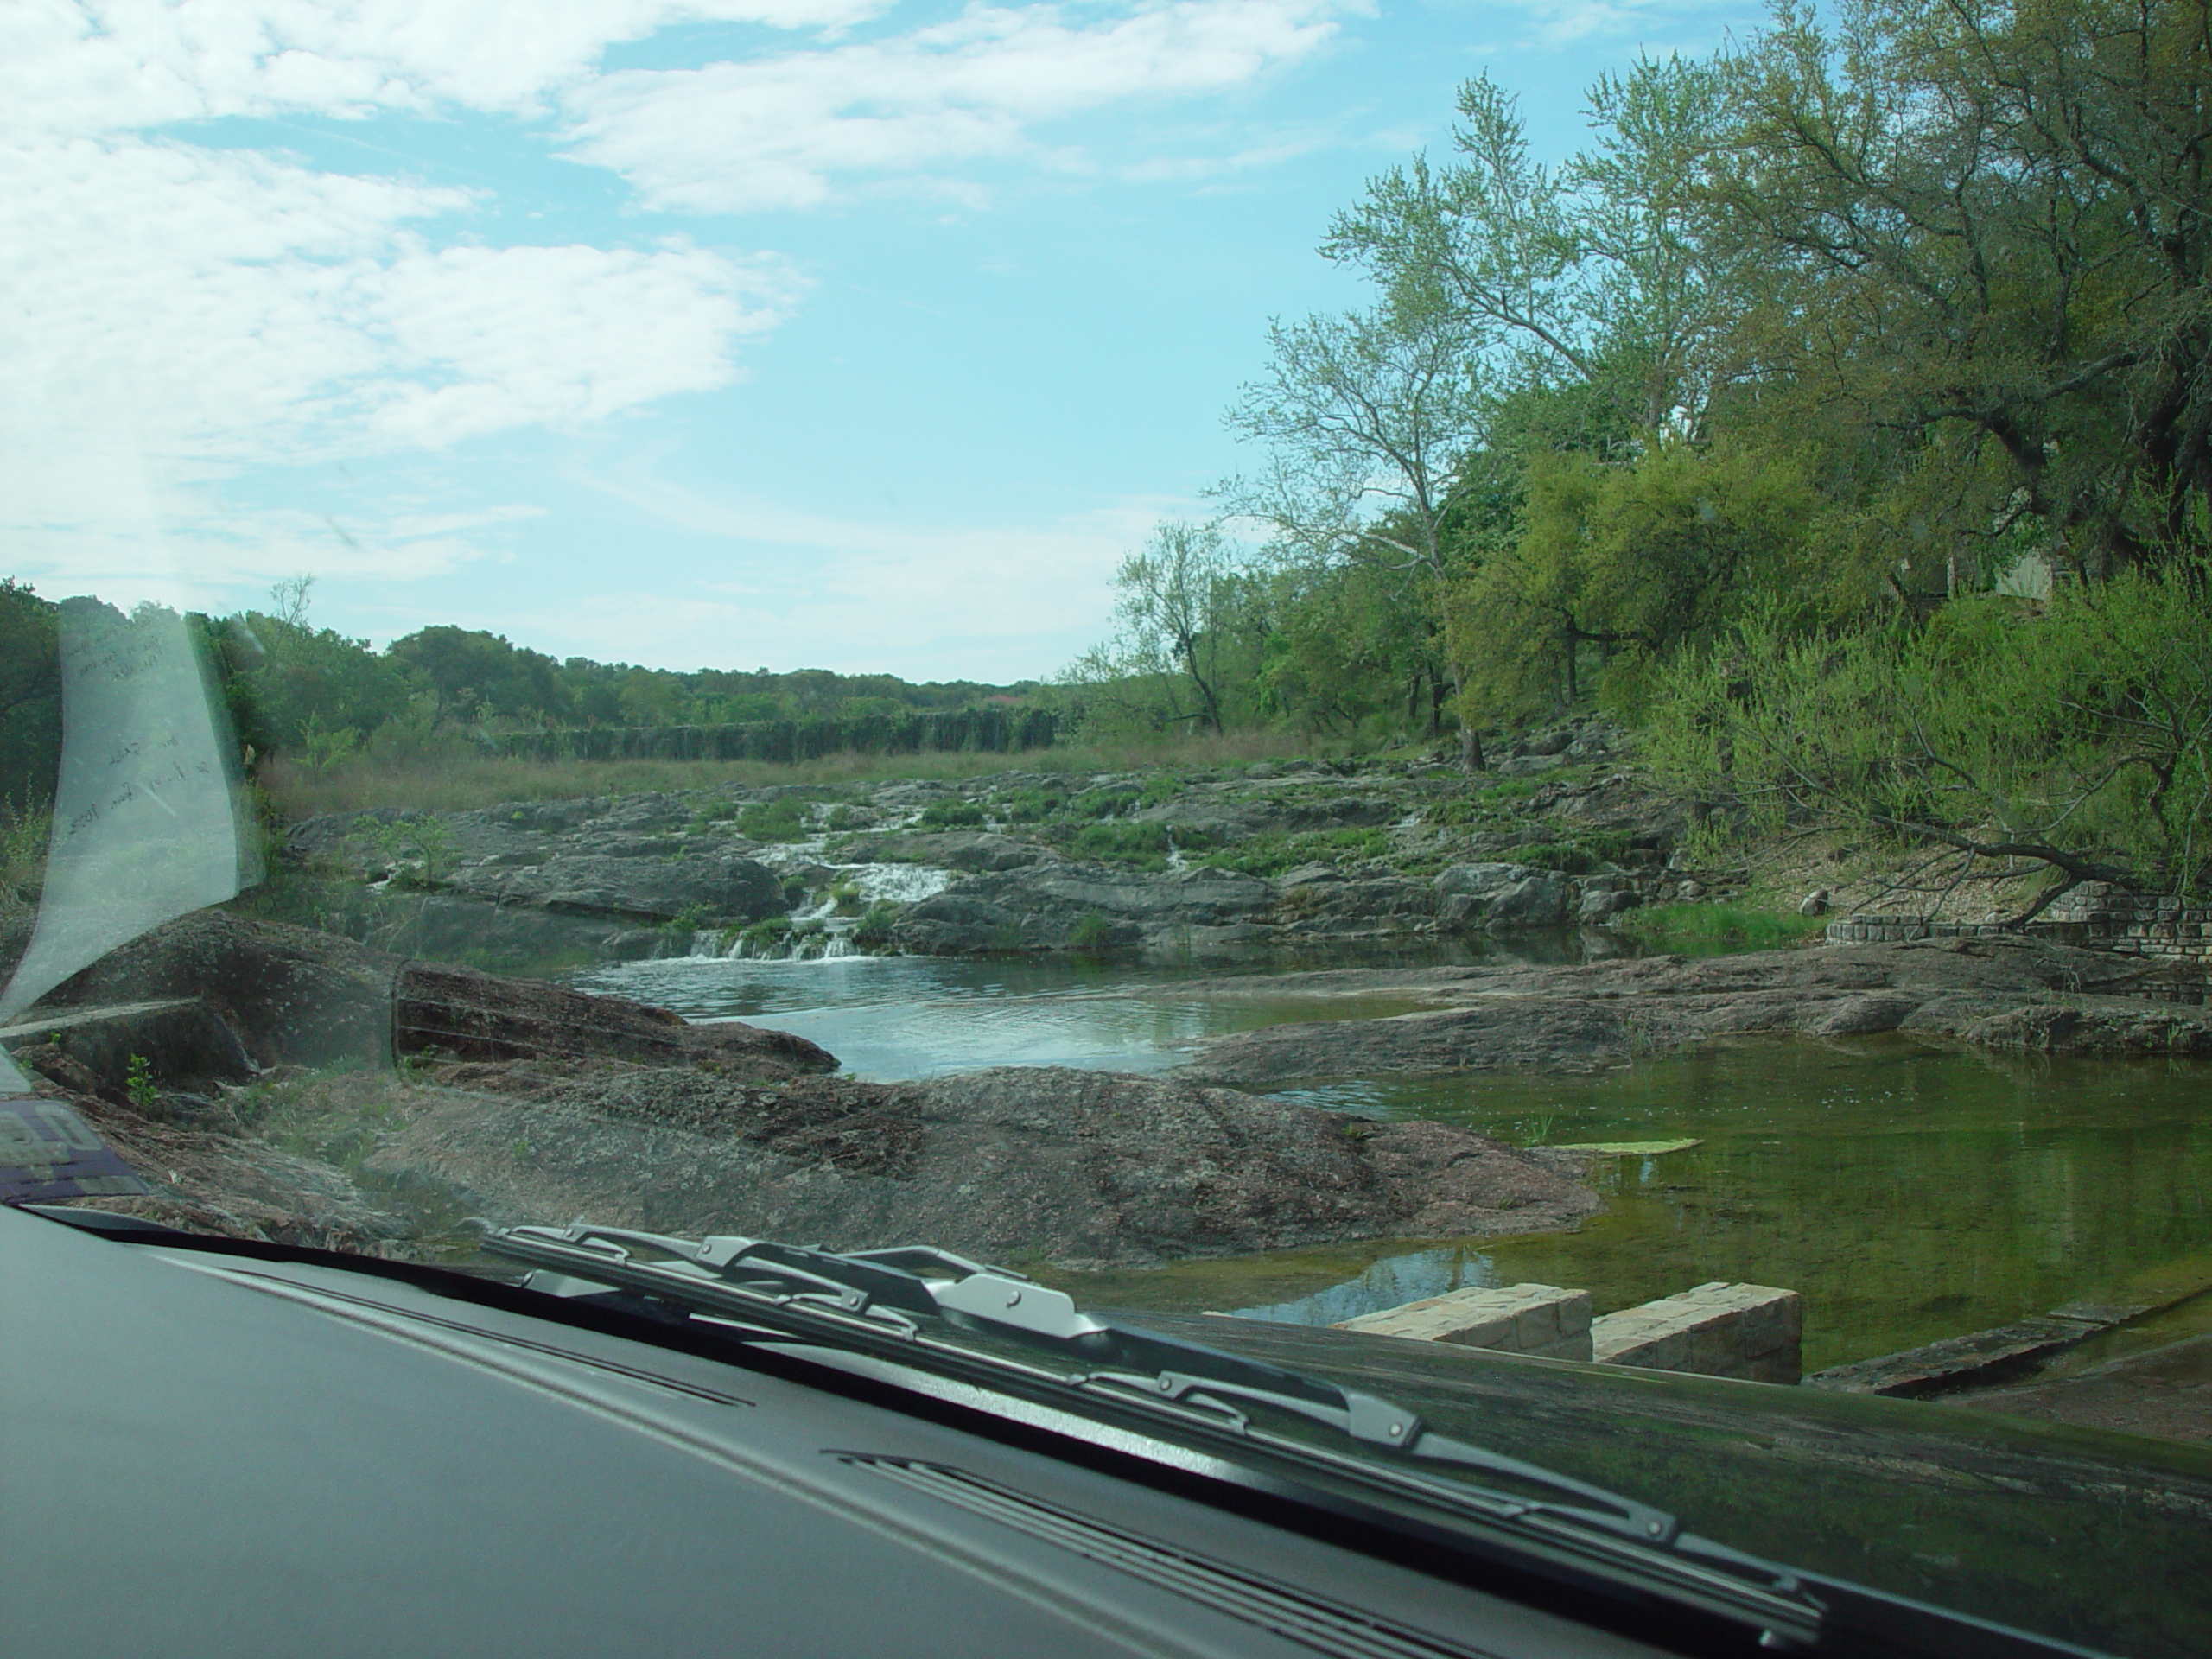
1717, 929
1271, 855
782, 819
952, 815
874, 929
1091, 936
765, 934
1145, 845
1032, 805
1113, 803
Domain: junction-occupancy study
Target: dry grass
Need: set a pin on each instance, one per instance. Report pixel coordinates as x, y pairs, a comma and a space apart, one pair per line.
461, 777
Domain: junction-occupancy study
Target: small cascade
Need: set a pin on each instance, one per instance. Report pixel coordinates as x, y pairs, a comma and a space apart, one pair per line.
815, 930
1175, 859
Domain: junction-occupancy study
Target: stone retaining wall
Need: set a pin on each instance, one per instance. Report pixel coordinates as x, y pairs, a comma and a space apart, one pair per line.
2094, 916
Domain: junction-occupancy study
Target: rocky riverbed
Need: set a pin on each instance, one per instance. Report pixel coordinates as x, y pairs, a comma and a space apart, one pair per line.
2012, 996
1268, 858
447, 1093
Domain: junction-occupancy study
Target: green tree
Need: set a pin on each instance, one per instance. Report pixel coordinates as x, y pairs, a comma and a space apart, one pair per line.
30, 697
1366, 418
1609, 272
1985, 230
1631, 561
2077, 734
475, 676
1182, 631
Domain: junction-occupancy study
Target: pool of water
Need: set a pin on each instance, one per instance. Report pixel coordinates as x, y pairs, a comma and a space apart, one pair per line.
1907, 1191
891, 1018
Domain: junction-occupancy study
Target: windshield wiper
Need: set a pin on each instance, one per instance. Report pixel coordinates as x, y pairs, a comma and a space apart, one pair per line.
895, 1303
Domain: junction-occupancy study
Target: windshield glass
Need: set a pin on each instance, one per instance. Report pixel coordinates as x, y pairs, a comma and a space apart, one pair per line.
1512, 709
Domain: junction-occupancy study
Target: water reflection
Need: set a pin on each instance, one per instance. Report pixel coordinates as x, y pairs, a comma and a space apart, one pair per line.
891, 1018
1391, 1283
1907, 1192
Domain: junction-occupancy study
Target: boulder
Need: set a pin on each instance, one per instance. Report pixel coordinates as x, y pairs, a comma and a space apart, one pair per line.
1040, 907
623, 883
1536, 901
1603, 904
214, 991
1465, 892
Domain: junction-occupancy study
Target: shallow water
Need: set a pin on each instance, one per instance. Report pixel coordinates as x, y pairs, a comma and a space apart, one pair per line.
1909, 1192
889, 1018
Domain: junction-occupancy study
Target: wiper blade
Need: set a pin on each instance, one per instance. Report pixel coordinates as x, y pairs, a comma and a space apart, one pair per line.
898, 1301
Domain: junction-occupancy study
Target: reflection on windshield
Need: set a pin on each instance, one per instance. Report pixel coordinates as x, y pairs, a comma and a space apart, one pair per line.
147, 819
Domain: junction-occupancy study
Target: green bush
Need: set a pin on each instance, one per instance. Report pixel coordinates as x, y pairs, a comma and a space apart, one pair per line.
874, 929
1717, 929
2077, 730
780, 820
1581, 854
1113, 803
1032, 805
952, 815
1272, 855
1145, 845
1091, 936
765, 934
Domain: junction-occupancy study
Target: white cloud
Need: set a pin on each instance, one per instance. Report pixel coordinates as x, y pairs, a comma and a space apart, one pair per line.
783, 132
179, 321
1010, 600
176, 313
105, 65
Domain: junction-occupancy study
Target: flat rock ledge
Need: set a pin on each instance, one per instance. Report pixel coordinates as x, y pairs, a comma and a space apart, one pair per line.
1079, 1169
525, 1101
2012, 996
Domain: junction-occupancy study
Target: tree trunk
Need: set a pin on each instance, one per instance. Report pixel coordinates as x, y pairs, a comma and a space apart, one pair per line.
1471, 743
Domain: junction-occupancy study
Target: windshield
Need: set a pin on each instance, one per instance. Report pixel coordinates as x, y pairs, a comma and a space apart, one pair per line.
1513, 710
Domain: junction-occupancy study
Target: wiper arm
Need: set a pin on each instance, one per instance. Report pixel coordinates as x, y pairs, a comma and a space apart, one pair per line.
895, 1288
1373, 1420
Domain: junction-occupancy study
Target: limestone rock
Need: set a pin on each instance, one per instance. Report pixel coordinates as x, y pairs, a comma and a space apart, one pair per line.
1536, 901
1603, 904
1039, 906
1087, 1169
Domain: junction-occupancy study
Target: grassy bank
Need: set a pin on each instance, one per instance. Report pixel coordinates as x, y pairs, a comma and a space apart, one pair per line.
458, 776
1718, 930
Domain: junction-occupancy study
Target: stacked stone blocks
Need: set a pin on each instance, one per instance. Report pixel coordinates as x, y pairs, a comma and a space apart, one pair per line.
1540, 1319
1752, 1332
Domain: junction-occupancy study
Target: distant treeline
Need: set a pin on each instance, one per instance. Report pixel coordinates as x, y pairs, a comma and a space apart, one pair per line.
985, 730
315, 697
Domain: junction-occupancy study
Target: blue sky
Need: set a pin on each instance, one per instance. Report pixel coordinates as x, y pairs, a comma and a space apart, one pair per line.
731, 333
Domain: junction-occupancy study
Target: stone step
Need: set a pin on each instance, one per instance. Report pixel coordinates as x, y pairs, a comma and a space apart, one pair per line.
1752, 1332
1540, 1319
1980, 1358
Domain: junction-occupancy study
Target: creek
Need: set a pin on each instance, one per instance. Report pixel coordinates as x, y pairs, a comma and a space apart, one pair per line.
1909, 1192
